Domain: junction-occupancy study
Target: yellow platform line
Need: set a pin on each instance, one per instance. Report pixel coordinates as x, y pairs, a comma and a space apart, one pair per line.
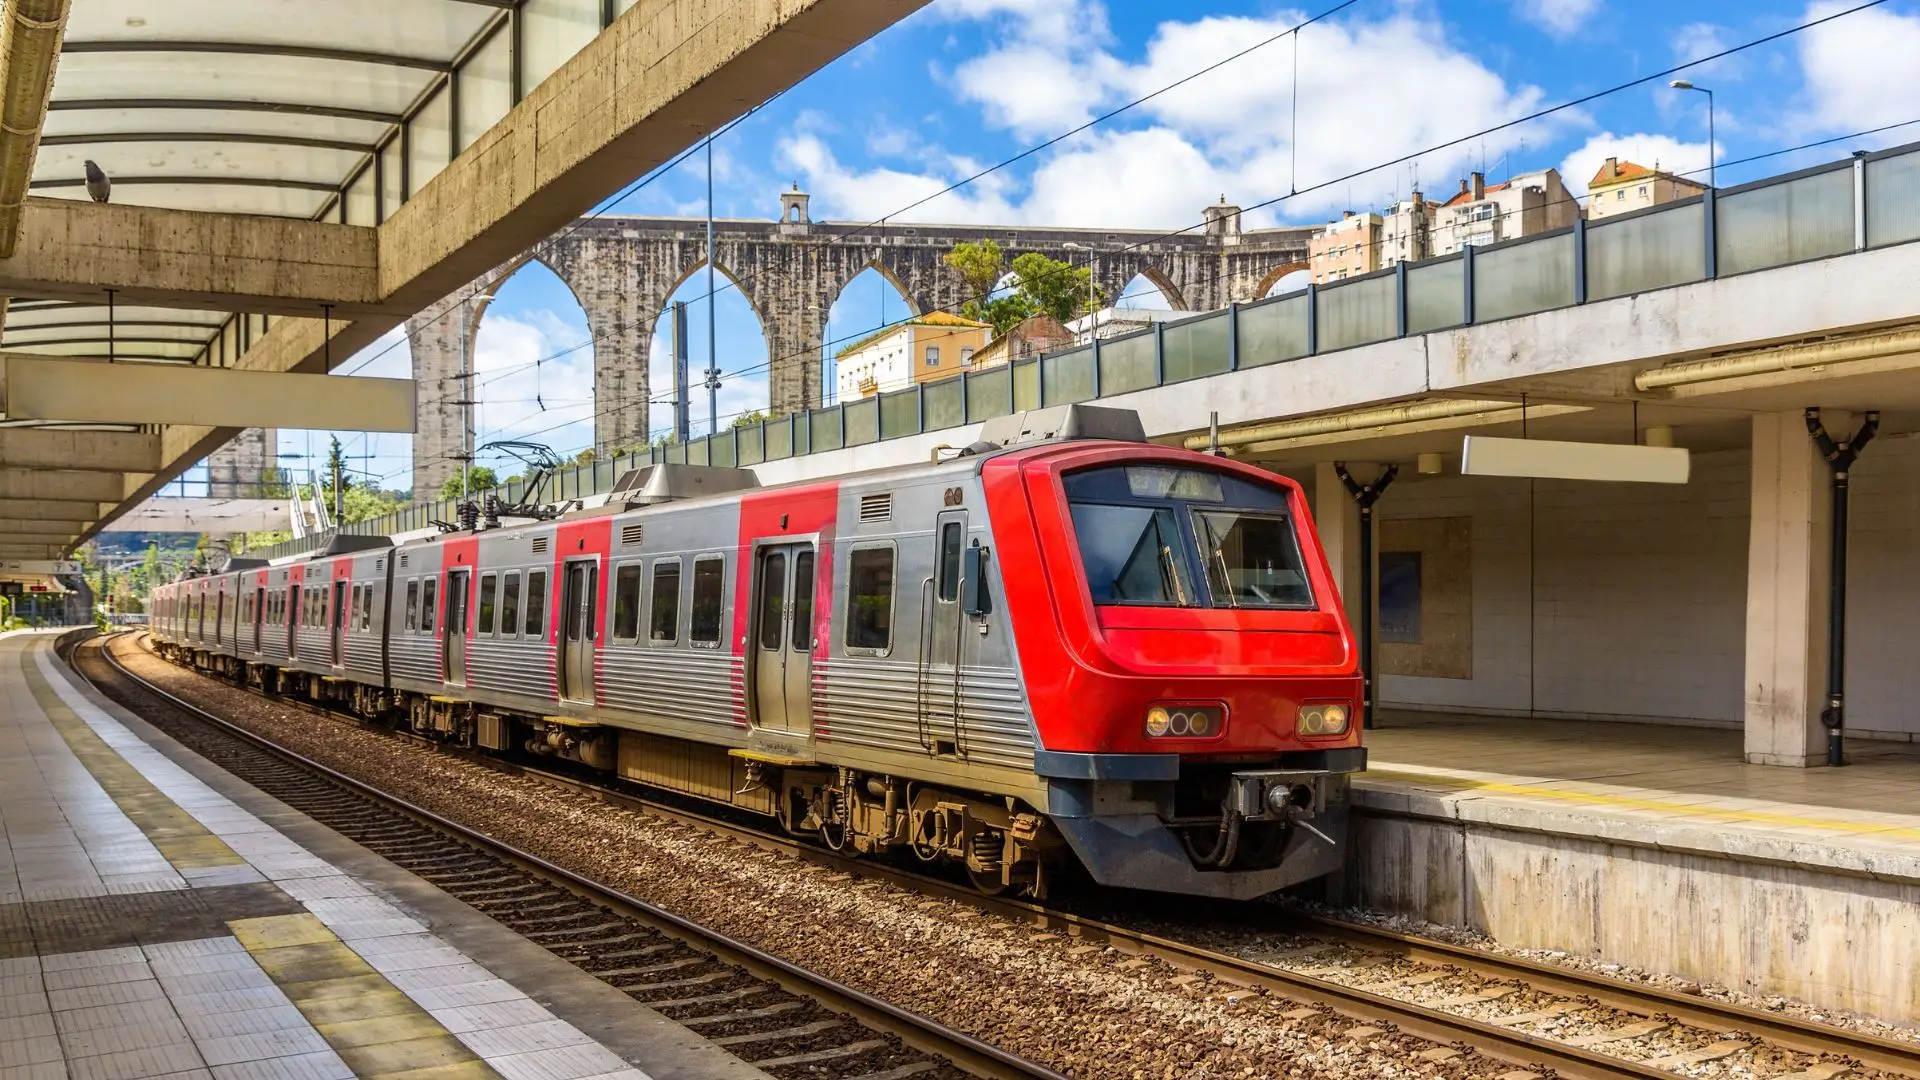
374, 1027
1633, 802
178, 835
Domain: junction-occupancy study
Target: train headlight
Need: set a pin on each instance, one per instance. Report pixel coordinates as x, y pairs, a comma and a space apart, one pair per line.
1322, 720
1185, 721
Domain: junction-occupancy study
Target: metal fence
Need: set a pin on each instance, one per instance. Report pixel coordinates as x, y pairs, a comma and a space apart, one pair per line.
1865, 201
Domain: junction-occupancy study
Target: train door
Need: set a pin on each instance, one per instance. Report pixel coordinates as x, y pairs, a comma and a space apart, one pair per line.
296, 603
943, 640
579, 603
339, 616
259, 613
454, 627
783, 639
220, 616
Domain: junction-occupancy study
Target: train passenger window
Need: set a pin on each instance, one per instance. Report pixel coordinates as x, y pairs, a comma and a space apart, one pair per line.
366, 606
951, 535
870, 599
626, 602
413, 605
489, 588
510, 605
703, 625
803, 601
663, 624
536, 602
427, 604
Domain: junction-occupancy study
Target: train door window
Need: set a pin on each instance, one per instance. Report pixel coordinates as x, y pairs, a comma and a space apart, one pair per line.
952, 533
510, 604
428, 604
536, 603
870, 600
366, 606
773, 586
413, 605
626, 602
663, 622
703, 624
489, 588
803, 601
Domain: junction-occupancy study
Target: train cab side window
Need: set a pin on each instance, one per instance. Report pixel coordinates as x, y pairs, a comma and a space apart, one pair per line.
489, 592
870, 599
951, 537
536, 602
663, 620
413, 605
703, 625
510, 604
626, 602
427, 604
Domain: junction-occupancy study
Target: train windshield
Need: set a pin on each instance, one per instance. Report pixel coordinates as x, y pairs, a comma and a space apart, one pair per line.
1154, 534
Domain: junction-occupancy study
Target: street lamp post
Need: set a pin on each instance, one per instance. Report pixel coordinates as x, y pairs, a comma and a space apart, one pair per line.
466, 400
1713, 152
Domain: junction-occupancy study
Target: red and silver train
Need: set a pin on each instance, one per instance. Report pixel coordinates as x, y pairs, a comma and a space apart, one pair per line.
1065, 642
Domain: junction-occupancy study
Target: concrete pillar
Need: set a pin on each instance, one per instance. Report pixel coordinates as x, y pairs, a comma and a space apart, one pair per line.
238, 469
440, 439
1787, 548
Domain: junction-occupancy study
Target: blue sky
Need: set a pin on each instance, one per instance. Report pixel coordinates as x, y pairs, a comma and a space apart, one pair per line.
963, 84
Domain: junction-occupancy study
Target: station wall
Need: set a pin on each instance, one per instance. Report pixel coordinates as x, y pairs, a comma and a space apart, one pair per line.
1628, 601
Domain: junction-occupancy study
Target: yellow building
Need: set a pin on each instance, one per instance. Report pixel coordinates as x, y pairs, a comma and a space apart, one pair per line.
1347, 248
936, 345
1621, 187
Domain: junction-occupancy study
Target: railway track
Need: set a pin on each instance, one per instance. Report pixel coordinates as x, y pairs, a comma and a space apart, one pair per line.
781, 1018
1523, 1012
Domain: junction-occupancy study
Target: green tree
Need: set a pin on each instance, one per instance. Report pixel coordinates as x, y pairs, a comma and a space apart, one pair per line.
479, 478
1055, 288
980, 266
749, 419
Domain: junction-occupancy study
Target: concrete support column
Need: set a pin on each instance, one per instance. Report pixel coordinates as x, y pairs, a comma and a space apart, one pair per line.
238, 469
441, 437
1787, 549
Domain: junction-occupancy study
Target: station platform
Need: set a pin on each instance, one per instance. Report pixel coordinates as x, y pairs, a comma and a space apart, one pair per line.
159, 918
1652, 846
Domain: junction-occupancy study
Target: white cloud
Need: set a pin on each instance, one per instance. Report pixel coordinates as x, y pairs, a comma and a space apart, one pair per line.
1561, 18
1859, 70
526, 389
1369, 91
1695, 40
1662, 151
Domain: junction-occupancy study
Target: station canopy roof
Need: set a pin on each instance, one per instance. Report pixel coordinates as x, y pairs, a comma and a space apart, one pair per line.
274, 107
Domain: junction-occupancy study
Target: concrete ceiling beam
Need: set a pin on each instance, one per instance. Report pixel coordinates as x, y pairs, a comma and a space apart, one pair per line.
30, 551
91, 451
40, 527
92, 391
61, 484
193, 259
54, 509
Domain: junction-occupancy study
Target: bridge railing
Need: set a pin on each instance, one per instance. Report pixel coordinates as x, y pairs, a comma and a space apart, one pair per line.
1861, 202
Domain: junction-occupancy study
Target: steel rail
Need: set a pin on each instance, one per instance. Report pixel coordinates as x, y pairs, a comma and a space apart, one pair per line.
920, 1032
1779, 1030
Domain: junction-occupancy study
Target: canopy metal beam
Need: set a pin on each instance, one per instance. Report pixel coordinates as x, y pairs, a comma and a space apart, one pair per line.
247, 48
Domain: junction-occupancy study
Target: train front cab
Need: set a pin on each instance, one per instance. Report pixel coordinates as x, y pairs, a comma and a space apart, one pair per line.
1193, 680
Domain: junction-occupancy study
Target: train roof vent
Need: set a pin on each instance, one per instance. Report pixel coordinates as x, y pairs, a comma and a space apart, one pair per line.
539, 545
876, 507
1063, 422
633, 533
379, 564
667, 482
404, 558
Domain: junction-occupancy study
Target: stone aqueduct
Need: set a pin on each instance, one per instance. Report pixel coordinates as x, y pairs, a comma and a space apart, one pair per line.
623, 271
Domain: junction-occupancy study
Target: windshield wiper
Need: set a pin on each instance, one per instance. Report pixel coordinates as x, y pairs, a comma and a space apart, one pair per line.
1226, 579
1170, 576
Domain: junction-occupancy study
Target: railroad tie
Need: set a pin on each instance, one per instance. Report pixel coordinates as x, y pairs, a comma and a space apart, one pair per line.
1638, 1030
743, 1014
1548, 1013
1490, 994
902, 1072
1706, 1053
1819, 1072
848, 1050
814, 1028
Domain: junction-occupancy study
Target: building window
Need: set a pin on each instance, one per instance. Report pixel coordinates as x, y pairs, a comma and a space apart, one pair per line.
1643, 189
933, 356
966, 356
1620, 196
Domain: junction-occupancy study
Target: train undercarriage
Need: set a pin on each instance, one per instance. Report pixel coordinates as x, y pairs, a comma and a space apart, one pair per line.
1004, 845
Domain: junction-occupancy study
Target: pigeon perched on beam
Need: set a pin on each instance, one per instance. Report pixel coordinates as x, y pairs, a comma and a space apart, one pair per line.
99, 188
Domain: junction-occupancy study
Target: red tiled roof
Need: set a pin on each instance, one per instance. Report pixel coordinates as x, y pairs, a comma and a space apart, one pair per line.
1467, 196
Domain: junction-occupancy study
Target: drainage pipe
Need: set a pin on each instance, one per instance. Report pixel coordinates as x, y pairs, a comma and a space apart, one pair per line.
1840, 457
1782, 358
